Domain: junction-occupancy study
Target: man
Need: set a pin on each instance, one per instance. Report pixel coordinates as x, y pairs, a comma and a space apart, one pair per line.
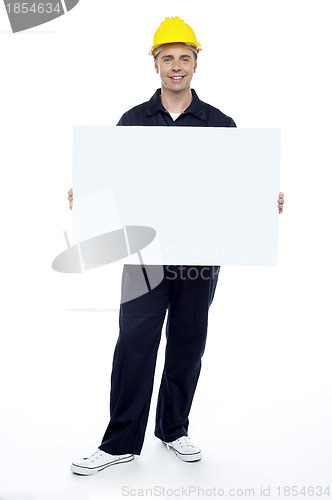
175, 52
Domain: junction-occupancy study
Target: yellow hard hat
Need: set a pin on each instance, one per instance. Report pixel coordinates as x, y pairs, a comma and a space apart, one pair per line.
174, 30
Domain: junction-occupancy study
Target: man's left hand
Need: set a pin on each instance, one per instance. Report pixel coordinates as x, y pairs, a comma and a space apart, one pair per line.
281, 202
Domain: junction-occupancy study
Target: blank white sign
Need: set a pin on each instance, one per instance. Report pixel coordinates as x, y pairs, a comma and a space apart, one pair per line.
210, 193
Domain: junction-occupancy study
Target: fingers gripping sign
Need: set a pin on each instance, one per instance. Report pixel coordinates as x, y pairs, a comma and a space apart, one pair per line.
70, 198
280, 202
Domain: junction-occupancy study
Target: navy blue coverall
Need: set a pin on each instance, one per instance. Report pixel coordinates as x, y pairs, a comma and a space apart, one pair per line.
186, 292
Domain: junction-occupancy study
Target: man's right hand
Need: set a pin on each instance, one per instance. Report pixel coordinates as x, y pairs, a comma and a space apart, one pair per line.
70, 198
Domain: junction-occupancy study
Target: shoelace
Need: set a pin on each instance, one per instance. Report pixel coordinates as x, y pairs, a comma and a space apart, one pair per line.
185, 440
95, 455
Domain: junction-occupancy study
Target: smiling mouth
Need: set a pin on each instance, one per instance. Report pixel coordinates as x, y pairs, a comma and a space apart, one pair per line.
176, 78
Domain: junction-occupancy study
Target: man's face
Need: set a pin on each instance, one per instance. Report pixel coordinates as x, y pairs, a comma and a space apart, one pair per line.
176, 64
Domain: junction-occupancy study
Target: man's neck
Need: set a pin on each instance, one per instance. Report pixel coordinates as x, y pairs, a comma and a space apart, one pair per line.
176, 102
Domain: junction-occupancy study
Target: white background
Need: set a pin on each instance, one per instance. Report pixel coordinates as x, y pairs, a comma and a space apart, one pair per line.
262, 411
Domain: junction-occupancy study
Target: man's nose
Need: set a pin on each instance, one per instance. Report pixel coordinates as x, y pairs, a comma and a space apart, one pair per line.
176, 66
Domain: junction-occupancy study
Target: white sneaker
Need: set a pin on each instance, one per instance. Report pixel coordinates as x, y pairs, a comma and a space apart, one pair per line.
185, 449
99, 460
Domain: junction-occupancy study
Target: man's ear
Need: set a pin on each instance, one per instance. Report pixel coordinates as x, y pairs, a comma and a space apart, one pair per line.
156, 66
195, 67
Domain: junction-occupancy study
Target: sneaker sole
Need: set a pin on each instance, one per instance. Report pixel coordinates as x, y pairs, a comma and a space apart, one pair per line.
193, 457
89, 471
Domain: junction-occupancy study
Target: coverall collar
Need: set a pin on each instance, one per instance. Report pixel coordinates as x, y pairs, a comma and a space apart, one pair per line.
196, 106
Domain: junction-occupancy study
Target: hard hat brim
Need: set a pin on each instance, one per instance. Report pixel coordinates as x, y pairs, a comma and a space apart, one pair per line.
196, 46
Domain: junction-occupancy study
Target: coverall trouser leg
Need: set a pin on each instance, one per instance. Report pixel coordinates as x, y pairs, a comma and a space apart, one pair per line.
186, 332
187, 296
